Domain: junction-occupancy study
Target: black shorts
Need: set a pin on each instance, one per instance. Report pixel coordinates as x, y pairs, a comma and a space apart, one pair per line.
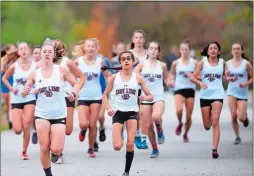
121, 117
147, 103
69, 103
204, 102
21, 105
139, 92
88, 102
239, 99
186, 93
54, 121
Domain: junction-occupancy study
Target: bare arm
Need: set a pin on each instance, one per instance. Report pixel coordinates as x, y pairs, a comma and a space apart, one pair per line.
148, 96
172, 73
250, 72
165, 73
106, 73
138, 68
195, 76
7, 74
29, 83
70, 78
106, 94
76, 71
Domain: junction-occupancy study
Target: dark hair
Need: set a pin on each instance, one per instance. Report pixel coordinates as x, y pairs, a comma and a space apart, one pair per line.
205, 50
120, 55
104, 68
60, 50
186, 42
137, 31
36, 46
159, 48
4, 49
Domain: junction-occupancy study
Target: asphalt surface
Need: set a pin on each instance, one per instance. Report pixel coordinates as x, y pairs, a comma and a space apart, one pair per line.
176, 158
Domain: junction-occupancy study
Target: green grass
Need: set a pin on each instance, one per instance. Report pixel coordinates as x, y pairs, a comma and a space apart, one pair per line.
4, 128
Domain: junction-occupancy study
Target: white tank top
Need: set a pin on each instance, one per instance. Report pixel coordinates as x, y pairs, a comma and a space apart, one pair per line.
154, 80
51, 102
124, 95
140, 58
19, 80
92, 88
212, 77
181, 79
67, 85
241, 76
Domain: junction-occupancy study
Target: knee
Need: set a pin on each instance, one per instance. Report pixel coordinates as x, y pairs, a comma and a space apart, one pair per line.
93, 125
56, 150
234, 117
130, 146
17, 130
179, 111
45, 150
68, 131
83, 125
215, 123
117, 146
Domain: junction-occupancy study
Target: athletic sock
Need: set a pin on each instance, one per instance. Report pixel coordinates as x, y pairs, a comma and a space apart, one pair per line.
129, 157
48, 171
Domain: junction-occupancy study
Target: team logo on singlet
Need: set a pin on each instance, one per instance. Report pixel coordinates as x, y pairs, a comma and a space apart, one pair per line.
212, 77
21, 81
125, 92
48, 91
151, 76
184, 74
236, 75
90, 75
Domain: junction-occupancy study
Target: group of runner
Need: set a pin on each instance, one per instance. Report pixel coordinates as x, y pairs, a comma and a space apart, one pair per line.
40, 85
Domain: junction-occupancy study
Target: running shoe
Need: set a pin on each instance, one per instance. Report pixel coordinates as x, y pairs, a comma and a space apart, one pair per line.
137, 142
91, 153
161, 138
155, 153
246, 122
215, 153
185, 138
102, 136
24, 156
34, 138
126, 174
143, 143
179, 129
55, 158
82, 135
60, 159
237, 141
96, 147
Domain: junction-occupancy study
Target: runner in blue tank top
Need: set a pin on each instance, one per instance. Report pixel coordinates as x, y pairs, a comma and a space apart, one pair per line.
211, 68
184, 89
6, 52
240, 68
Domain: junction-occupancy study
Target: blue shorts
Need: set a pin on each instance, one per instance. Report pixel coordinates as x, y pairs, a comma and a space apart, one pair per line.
4, 89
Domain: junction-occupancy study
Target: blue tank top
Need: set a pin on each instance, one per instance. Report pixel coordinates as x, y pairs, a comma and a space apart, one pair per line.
103, 82
212, 77
241, 75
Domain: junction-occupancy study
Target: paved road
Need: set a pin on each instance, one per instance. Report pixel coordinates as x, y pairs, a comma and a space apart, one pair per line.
176, 159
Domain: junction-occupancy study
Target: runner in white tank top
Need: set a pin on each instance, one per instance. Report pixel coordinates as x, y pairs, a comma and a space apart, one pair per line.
184, 89
154, 73
62, 60
21, 106
51, 108
123, 107
240, 69
140, 54
90, 98
212, 92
